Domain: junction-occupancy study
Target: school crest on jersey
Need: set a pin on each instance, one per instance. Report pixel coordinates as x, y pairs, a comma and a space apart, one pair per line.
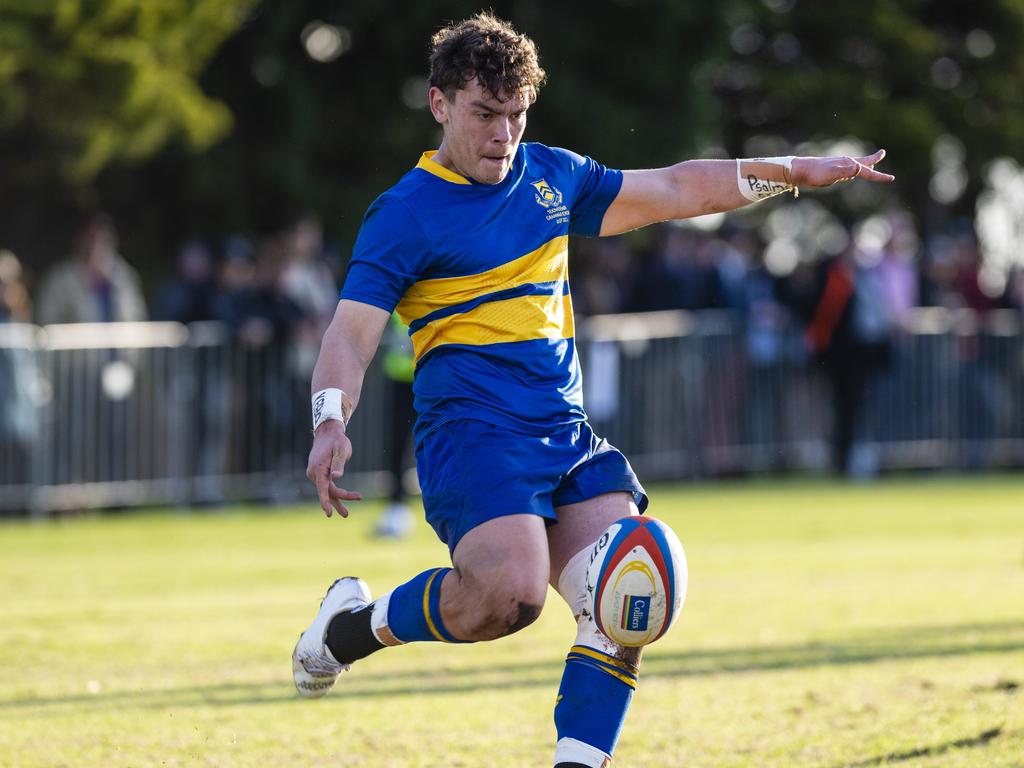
546, 195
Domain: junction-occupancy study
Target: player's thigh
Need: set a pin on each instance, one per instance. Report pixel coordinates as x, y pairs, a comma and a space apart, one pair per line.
505, 556
579, 525
472, 472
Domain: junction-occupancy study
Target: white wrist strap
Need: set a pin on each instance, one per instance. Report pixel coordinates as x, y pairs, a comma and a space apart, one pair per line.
755, 188
328, 405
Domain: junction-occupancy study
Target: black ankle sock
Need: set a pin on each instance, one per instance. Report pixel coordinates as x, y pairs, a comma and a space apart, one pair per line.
349, 636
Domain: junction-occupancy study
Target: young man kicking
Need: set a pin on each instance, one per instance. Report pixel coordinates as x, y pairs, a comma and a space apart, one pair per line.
470, 247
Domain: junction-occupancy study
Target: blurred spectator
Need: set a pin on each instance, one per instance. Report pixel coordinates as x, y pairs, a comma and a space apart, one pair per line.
189, 296
897, 269
261, 320
397, 520
969, 281
849, 333
679, 273
601, 275
766, 321
732, 255
987, 404
307, 278
21, 385
248, 301
308, 283
94, 284
15, 304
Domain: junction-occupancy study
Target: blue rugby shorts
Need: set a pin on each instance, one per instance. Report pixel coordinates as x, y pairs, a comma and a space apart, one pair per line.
471, 472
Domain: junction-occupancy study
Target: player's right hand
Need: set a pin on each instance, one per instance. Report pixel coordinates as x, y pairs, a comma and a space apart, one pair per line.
327, 458
825, 171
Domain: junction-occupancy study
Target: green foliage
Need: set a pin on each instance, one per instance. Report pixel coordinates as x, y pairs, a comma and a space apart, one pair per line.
331, 136
89, 82
244, 131
634, 84
892, 73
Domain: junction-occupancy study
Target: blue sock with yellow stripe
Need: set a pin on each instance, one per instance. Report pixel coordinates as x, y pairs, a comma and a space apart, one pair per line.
591, 706
414, 609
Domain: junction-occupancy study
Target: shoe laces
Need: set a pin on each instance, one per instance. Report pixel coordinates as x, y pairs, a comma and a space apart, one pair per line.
318, 664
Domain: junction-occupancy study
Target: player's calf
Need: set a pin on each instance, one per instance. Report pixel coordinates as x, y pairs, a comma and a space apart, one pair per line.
440, 604
601, 672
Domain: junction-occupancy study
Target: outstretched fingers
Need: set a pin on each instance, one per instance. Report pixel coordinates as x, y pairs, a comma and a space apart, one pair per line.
330, 495
826, 171
866, 167
339, 495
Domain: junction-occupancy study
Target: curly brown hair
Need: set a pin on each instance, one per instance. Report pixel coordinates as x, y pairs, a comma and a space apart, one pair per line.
487, 49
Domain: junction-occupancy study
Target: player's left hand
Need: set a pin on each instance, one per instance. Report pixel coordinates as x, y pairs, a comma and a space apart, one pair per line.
826, 171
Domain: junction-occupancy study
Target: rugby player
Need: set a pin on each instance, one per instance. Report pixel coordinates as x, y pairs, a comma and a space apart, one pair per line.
470, 248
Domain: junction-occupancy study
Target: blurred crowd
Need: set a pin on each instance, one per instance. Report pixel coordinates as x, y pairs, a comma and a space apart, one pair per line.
851, 310
681, 267
849, 305
281, 288
285, 286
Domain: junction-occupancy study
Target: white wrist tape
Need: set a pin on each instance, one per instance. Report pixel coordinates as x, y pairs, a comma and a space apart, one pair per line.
328, 405
755, 188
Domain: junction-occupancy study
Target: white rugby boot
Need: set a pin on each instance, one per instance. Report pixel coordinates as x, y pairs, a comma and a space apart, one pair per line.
314, 668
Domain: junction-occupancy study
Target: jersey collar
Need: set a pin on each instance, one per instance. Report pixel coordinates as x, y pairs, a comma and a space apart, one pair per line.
428, 164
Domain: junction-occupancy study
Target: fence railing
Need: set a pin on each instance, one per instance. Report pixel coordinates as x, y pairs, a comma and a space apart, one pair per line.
127, 414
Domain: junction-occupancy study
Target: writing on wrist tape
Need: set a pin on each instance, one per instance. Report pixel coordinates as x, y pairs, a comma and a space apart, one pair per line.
754, 177
328, 405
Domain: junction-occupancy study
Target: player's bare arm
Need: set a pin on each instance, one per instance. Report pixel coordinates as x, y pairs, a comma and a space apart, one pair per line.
698, 187
347, 349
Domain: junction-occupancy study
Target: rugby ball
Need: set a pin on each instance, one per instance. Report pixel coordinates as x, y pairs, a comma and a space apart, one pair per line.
636, 582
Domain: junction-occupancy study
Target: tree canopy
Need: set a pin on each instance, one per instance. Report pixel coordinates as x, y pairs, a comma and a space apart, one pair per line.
187, 117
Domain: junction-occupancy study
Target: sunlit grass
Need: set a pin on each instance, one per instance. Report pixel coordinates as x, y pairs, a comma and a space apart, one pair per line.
827, 625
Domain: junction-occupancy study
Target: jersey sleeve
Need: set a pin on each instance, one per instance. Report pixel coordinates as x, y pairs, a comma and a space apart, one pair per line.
594, 189
389, 255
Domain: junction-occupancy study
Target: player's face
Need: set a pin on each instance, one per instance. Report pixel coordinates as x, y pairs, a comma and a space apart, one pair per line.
481, 132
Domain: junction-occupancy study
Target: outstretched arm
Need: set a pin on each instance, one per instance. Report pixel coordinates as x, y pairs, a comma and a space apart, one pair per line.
347, 349
697, 187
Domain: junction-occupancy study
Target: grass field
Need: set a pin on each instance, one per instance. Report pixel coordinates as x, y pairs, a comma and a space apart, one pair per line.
827, 625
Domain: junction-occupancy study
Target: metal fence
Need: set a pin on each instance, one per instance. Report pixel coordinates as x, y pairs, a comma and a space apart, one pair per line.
128, 414
689, 395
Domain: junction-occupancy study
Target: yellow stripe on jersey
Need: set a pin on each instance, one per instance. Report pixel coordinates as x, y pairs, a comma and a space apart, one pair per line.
546, 264
428, 164
524, 318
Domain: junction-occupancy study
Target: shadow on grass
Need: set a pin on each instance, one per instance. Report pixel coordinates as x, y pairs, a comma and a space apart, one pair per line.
889, 758
864, 648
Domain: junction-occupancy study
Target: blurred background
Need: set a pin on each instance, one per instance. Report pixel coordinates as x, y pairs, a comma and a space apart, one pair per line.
182, 181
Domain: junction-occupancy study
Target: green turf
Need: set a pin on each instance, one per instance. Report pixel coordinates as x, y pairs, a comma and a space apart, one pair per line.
827, 625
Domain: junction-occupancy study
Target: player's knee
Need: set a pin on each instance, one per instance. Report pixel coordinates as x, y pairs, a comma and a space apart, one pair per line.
515, 605
507, 607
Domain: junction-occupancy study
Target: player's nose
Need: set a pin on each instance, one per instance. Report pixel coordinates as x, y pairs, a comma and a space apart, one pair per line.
503, 130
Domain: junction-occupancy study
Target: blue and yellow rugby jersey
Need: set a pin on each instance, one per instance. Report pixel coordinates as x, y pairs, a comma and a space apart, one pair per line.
479, 273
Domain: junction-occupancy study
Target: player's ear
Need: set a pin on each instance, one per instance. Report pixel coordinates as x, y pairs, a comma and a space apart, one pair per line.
439, 104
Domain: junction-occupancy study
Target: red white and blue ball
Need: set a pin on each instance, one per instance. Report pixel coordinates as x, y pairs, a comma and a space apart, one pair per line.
636, 582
